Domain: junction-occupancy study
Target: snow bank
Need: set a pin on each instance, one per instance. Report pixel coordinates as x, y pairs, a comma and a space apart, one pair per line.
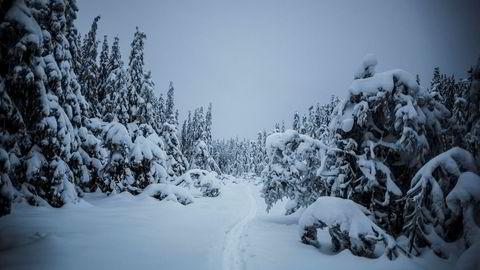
169, 192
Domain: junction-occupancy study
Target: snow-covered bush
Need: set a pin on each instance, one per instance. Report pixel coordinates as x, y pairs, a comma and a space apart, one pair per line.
348, 226
208, 183
169, 192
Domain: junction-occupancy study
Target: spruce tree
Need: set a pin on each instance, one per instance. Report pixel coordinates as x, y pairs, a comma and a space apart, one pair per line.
136, 75
104, 70
42, 101
116, 102
87, 75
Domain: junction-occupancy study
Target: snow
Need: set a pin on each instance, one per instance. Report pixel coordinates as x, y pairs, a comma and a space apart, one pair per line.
208, 183
451, 160
368, 66
347, 124
20, 13
278, 140
469, 260
384, 81
123, 231
467, 190
146, 149
117, 134
169, 192
35, 162
272, 242
337, 211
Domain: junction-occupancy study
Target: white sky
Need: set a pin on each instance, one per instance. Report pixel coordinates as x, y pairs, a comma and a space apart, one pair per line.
260, 61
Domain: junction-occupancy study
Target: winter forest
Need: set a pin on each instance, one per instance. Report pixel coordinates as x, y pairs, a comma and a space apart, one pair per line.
100, 168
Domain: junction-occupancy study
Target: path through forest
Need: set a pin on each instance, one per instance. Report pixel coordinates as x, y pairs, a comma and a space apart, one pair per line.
123, 231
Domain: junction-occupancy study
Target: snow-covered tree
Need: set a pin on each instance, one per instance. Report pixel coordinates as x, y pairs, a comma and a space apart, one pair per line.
160, 109
177, 164
427, 221
136, 75
382, 127
201, 158
116, 102
45, 101
296, 122
104, 70
147, 159
146, 112
170, 105
87, 74
294, 160
116, 174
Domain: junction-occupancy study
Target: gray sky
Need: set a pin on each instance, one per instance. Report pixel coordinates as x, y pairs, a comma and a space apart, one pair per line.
260, 61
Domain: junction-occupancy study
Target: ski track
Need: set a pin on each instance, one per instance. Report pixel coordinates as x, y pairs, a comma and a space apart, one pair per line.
232, 253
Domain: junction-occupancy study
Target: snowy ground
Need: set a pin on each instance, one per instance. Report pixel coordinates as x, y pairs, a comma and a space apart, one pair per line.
127, 232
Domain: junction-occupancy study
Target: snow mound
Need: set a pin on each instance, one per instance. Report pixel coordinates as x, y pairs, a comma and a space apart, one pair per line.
169, 192
348, 226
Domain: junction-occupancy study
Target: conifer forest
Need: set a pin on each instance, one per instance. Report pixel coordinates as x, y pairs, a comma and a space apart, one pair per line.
106, 163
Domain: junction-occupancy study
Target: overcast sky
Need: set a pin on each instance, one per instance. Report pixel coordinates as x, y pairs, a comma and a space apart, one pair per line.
260, 61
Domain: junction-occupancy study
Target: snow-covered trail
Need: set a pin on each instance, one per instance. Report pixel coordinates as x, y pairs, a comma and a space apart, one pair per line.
123, 231
232, 254
127, 232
